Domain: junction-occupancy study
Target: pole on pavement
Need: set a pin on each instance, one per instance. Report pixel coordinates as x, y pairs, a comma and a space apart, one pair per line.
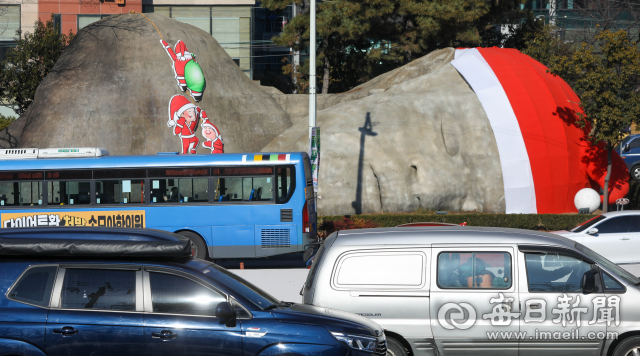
312, 68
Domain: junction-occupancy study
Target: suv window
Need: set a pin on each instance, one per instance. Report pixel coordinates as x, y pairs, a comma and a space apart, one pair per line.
554, 272
468, 270
99, 289
616, 225
176, 295
34, 287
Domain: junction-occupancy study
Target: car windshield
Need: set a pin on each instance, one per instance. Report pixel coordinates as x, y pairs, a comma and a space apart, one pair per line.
587, 224
255, 295
617, 270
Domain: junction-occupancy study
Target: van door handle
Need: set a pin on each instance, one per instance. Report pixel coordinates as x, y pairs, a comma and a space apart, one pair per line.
65, 331
624, 238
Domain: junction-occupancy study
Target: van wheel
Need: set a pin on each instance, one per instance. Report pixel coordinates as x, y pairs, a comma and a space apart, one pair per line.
198, 247
628, 347
395, 348
635, 173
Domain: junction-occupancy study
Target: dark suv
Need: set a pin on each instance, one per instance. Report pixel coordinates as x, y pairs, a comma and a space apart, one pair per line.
114, 295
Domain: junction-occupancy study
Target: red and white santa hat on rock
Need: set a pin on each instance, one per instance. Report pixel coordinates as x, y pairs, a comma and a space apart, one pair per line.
177, 105
532, 115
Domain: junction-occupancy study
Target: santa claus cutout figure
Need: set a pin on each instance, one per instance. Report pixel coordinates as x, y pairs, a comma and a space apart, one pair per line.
211, 133
187, 71
183, 117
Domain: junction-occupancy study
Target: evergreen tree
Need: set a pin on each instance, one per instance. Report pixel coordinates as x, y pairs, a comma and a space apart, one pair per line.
359, 39
29, 62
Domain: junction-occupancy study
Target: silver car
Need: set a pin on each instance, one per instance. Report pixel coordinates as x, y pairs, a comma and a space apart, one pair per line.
479, 291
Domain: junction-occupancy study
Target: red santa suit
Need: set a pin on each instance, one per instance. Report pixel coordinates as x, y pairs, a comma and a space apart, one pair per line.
214, 141
180, 57
545, 155
181, 128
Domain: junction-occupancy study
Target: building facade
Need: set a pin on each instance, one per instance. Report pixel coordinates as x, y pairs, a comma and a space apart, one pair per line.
242, 27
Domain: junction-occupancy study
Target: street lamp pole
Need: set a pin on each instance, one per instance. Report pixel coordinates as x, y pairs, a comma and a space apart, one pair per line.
312, 68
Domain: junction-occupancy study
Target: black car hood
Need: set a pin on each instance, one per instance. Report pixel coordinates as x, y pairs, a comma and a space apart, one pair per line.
332, 319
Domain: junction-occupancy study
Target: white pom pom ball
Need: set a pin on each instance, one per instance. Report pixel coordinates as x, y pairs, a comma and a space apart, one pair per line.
587, 198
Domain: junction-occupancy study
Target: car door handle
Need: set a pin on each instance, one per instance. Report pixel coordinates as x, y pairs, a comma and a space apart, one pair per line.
624, 238
164, 335
65, 331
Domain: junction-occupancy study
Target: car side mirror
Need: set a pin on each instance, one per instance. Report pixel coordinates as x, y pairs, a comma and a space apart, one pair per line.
626, 147
588, 283
592, 231
226, 314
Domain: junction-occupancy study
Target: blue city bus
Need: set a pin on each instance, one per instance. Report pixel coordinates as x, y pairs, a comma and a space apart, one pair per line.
242, 205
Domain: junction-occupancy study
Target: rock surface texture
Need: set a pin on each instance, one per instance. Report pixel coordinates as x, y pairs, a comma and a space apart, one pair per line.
112, 86
414, 137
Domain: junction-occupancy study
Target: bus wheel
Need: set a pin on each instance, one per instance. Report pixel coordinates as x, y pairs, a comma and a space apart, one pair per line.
198, 246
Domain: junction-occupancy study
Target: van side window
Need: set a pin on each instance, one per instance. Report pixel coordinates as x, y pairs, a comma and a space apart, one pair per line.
470, 270
397, 269
554, 272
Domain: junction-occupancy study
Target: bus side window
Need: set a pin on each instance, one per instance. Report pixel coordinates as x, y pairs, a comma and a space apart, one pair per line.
285, 183
127, 191
244, 189
68, 192
20, 193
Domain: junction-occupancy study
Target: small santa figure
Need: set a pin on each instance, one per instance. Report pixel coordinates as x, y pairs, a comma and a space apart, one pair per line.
211, 133
183, 117
187, 71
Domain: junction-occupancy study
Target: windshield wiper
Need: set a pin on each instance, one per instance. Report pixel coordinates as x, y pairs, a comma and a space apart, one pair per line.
272, 306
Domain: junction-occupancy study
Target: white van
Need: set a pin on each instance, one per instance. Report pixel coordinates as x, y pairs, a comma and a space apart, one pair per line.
479, 291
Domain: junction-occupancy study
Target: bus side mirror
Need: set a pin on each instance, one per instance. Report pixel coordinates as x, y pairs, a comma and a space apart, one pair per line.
226, 314
588, 283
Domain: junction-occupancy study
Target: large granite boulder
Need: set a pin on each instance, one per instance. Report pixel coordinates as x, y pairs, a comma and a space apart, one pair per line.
112, 86
419, 137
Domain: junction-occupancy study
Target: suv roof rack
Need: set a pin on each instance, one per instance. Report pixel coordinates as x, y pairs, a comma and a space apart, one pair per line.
32, 153
101, 243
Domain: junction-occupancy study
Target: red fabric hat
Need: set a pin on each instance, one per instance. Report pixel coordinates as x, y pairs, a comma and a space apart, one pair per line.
177, 105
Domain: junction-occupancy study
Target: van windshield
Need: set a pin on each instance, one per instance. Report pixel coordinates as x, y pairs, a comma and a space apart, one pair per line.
314, 268
617, 270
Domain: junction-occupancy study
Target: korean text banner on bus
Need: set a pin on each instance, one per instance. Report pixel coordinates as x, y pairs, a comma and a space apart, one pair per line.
127, 218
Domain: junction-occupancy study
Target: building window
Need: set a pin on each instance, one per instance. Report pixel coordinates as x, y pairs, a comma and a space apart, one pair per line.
229, 25
57, 22
86, 20
9, 22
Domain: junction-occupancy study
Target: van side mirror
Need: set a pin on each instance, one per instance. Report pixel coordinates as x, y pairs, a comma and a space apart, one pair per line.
226, 314
592, 231
626, 147
588, 283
